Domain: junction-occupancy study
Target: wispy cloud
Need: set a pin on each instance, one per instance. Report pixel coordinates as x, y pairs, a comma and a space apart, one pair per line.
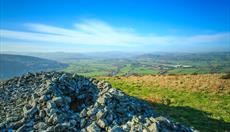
98, 33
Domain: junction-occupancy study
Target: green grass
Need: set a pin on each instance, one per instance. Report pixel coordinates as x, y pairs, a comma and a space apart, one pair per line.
225, 69
205, 112
144, 71
189, 71
125, 70
145, 66
87, 68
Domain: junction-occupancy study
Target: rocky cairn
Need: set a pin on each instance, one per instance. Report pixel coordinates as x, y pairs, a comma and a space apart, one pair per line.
56, 101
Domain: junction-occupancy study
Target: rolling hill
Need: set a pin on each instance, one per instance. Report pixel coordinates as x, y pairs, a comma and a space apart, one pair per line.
15, 65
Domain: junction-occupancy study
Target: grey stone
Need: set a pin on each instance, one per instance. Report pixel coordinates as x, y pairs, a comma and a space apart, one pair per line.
50, 129
116, 129
100, 114
42, 114
54, 119
41, 126
52, 111
66, 124
25, 109
34, 96
107, 85
126, 127
43, 98
13, 118
58, 101
109, 117
67, 99
58, 128
153, 127
83, 113
92, 111
22, 128
93, 128
73, 122
19, 123
51, 104
30, 123
31, 112
101, 100
101, 123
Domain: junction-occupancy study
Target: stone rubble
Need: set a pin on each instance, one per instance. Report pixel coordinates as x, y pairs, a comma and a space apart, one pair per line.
57, 101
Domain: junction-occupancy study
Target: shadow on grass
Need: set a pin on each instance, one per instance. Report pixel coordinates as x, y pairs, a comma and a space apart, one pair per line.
200, 120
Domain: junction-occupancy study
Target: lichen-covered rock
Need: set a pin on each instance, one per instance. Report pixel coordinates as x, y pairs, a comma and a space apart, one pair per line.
56, 101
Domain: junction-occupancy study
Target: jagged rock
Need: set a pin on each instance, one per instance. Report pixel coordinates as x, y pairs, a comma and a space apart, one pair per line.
153, 127
73, 123
42, 114
44, 98
40, 126
116, 129
93, 128
31, 112
22, 128
56, 101
101, 123
83, 113
100, 114
67, 99
51, 104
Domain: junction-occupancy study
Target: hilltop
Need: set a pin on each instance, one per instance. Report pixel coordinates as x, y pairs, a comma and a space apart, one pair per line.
54, 101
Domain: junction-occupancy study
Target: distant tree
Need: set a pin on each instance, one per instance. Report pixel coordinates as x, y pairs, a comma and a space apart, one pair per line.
227, 76
194, 73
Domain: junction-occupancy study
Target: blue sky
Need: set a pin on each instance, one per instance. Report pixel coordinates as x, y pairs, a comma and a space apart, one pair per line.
115, 25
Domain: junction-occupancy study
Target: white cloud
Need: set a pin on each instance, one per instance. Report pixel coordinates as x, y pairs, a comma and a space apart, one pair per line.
98, 33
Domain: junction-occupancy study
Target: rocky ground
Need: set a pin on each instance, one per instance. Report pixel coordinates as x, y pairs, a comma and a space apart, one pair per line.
55, 101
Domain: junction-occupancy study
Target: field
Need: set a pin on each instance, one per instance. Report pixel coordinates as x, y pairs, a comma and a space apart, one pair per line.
201, 101
163, 64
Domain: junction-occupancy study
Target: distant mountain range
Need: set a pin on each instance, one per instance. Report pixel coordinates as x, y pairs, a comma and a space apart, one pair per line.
69, 56
209, 56
64, 56
15, 65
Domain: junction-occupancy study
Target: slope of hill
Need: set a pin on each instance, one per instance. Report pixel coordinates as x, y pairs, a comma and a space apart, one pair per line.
15, 65
201, 101
60, 102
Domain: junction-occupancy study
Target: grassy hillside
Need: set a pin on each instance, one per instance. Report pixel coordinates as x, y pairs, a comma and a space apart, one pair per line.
201, 101
15, 65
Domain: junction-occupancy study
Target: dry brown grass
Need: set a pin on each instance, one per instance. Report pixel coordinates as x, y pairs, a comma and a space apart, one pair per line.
210, 83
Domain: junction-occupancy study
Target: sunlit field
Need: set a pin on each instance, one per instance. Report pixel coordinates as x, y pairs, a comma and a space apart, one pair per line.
201, 101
